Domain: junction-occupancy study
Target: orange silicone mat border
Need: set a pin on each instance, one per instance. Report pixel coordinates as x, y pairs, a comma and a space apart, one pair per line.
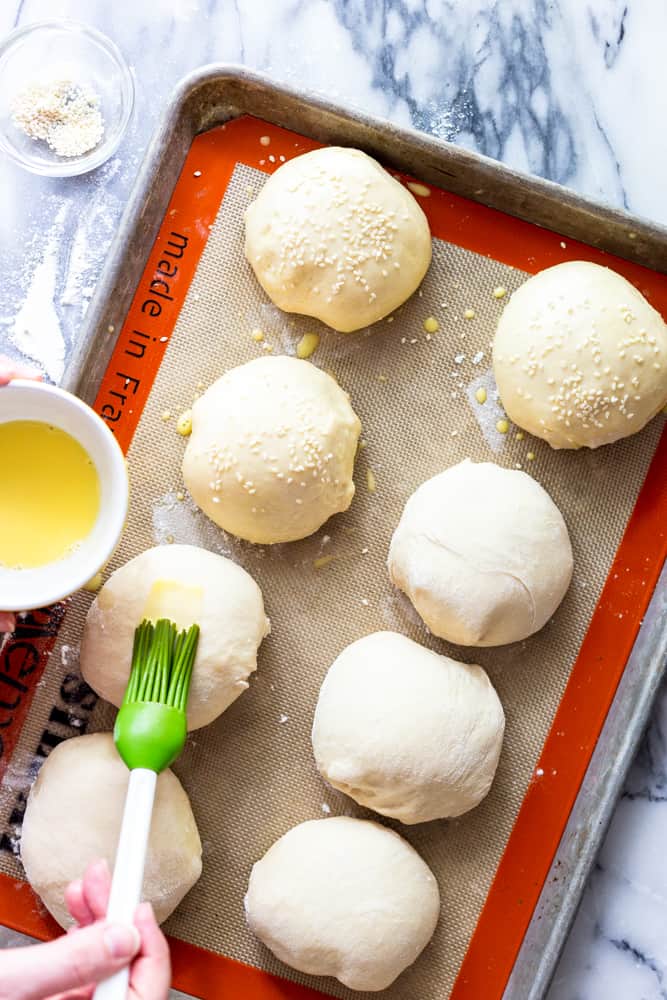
602, 657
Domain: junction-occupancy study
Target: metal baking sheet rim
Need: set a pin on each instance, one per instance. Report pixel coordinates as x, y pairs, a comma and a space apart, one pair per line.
217, 93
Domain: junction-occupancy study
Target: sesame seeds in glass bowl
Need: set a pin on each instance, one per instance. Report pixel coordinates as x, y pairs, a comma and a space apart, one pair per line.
66, 97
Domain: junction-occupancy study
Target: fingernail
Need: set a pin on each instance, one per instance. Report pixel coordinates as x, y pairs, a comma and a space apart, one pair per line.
122, 941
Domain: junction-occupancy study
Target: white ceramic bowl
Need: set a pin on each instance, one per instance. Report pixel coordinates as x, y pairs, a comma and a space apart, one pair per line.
24, 589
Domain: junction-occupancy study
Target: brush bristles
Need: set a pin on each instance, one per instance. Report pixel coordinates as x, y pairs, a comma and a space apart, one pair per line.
162, 662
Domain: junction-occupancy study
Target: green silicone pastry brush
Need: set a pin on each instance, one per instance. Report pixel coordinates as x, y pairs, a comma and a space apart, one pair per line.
150, 732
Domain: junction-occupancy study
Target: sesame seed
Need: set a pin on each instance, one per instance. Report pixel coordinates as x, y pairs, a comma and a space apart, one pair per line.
64, 114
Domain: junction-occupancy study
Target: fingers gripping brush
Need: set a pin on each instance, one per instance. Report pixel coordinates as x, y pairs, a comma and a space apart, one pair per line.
149, 734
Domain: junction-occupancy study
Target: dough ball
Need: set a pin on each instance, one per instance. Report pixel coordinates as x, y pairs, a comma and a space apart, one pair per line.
346, 898
188, 585
483, 554
580, 357
407, 732
272, 450
333, 235
73, 817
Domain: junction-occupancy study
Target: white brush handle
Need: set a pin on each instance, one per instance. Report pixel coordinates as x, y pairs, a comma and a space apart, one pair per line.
128, 872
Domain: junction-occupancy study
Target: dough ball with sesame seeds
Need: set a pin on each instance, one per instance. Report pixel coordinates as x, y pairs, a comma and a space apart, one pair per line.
333, 235
483, 553
580, 357
272, 450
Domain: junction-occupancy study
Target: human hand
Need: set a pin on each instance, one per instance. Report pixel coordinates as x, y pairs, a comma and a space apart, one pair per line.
7, 621
8, 371
91, 951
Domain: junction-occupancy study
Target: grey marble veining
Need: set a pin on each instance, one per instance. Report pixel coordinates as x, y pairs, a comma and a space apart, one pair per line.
570, 90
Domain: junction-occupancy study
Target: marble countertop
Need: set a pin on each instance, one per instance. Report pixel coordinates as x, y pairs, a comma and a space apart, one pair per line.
566, 89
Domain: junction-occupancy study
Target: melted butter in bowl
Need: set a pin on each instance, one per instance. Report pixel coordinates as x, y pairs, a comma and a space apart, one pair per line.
49, 494
63, 494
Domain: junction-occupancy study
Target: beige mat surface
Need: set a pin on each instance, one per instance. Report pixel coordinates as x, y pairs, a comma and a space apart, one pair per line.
251, 774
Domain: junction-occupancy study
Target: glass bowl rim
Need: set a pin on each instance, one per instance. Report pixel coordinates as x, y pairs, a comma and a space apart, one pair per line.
74, 166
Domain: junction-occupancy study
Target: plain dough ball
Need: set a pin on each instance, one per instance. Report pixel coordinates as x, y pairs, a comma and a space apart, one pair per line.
73, 817
190, 586
333, 235
580, 357
346, 898
483, 553
272, 450
407, 732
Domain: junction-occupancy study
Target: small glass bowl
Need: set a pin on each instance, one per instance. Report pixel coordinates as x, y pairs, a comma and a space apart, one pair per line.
63, 50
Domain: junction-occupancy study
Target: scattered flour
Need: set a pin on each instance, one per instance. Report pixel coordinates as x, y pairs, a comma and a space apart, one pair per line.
91, 240
184, 523
487, 414
37, 333
53, 261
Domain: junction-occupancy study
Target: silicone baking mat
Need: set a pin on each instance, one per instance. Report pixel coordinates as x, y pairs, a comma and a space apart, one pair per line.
251, 774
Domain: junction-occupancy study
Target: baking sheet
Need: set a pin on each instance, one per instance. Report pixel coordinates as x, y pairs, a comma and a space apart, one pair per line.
415, 397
